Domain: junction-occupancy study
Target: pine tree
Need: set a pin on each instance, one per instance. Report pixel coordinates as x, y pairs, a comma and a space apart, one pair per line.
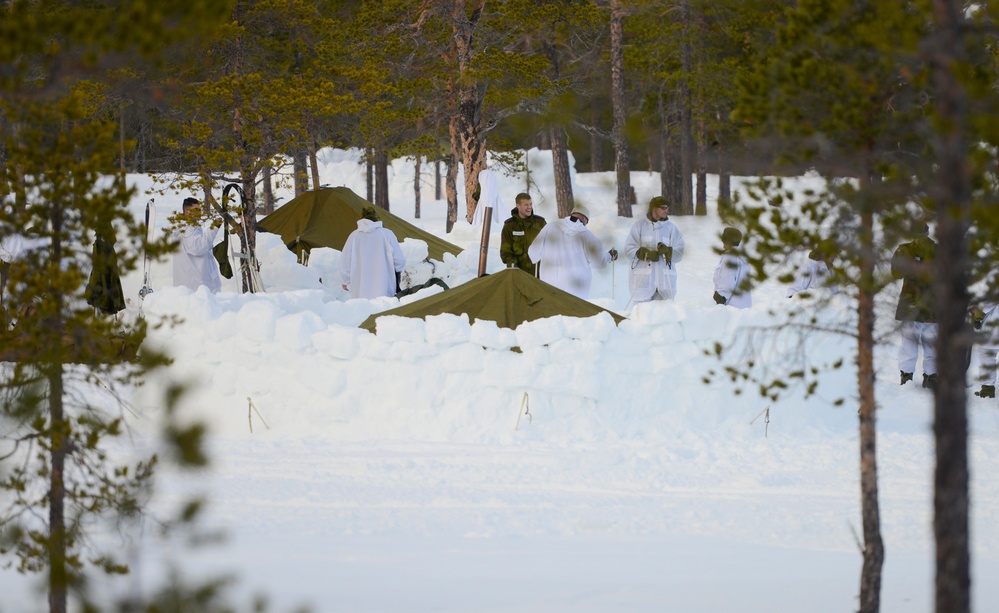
62, 170
831, 90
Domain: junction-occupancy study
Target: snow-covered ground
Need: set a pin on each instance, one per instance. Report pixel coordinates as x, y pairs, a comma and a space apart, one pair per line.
430, 468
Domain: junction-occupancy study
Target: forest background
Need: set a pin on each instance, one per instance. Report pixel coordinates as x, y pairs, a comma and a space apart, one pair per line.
896, 102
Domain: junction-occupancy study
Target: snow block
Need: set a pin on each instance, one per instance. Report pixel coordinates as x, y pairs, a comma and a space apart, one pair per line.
596, 328
448, 329
508, 369
295, 331
464, 358
540, 332
491, 336
257, 319
392, 328
338, 342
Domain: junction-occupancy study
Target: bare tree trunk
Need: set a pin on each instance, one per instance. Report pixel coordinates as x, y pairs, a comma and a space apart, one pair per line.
451, 187
437, 179
58, 440
563, 181
621, 163
870, 575
701, 207
268, 190
596, 143
473, 150
466, 120
369, 175
669, 174
58, 572
686, 122
874, 552
299, 159
724, 180
314, 164
951, 498
381, 179
416, 187
121, 137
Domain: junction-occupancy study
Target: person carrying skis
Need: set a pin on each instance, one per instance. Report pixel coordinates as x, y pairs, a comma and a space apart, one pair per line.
912, 262
654, 246
567, 251
371, 259
519, 231
193, 262
731, 273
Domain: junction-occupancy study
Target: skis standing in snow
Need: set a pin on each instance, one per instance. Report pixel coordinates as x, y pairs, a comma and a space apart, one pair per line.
147, 286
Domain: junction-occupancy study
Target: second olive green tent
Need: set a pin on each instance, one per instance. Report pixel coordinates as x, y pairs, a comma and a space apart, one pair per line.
326, 217
509, 298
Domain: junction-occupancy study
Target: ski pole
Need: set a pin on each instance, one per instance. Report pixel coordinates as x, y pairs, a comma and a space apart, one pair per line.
613, 281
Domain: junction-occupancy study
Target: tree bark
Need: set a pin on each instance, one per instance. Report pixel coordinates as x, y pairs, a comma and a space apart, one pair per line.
451, 187
563, 182
701, 207
416, 186
58, 573
724, 180
596, 142
466, 118
437, 179
951, 499
669, 174
58, 437
369, 178
268, 189
301, 174
314, 164
121, 137
686, 205
621, 164
381, 180
873, 554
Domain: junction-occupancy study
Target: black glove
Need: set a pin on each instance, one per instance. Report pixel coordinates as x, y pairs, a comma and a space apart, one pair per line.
647, 255
665, 251
977, 318
987, 391
613, 254
719, 298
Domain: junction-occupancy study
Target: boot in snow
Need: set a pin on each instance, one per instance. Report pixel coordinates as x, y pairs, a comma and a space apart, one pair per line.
930, 381
906, 377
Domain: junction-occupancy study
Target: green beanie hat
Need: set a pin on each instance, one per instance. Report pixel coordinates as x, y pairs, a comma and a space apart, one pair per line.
369, 213
657, 202
731, 236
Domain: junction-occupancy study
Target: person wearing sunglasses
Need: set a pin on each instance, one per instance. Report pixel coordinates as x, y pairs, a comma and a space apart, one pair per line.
566, 251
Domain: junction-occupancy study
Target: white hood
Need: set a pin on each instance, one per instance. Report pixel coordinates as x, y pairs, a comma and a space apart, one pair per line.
366, 225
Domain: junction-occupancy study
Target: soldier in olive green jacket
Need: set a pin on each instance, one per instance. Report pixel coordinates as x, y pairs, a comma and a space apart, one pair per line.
519, 232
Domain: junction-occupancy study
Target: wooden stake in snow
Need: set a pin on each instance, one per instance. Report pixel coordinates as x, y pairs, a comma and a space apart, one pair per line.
250, 410
484, 241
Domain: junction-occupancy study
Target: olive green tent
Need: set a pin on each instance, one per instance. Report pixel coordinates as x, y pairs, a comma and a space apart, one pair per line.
326, 217
509, 297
